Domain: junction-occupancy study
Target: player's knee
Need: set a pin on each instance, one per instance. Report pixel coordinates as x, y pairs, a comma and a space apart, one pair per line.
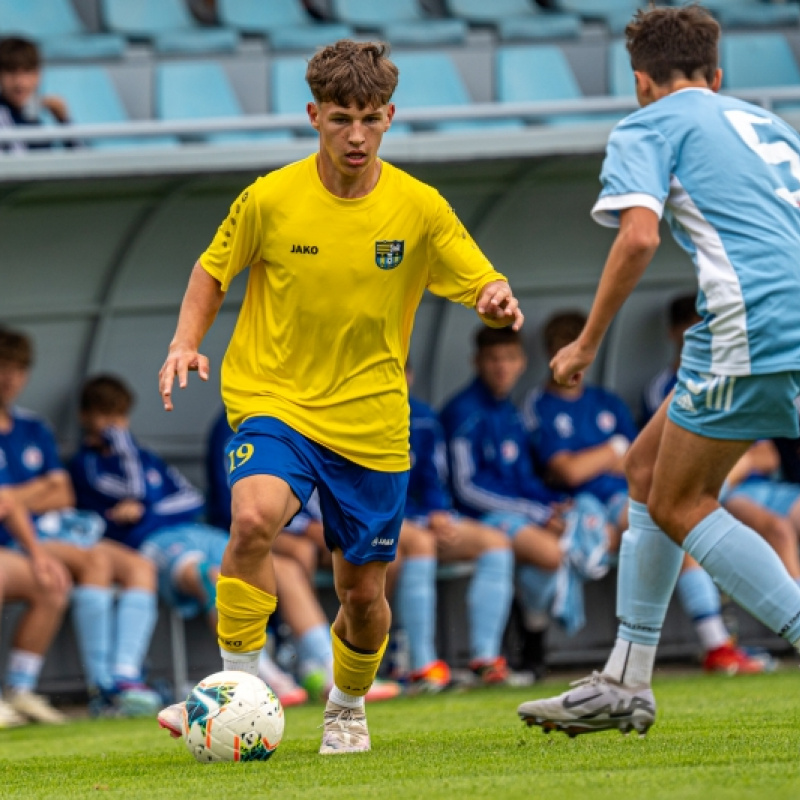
359, 600
95, 568
492, 539
253, 523
638, 473
140, 572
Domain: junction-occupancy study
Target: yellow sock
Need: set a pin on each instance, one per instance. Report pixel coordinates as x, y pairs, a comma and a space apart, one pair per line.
353, 673
243, 612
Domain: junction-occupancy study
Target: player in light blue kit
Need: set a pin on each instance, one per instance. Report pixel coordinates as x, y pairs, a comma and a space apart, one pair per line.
727, 176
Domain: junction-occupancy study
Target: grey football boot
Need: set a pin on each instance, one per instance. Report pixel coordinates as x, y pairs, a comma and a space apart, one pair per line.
596, 703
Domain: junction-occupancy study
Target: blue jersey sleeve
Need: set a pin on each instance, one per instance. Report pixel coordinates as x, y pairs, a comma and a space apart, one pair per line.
636, 172
219, 493
428, 479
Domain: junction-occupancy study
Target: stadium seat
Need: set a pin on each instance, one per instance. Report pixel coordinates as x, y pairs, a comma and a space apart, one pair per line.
284, 22
57, 29
92, 97
168, 24
187, 90
621, 82
416, 90
616, 14
758, 60
401, 22
537, 74
289, 92
751, 13
517, 19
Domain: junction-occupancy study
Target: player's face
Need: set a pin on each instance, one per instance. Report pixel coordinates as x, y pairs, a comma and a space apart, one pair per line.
94, 423
500, 367
18, 86
350, 136
13, 377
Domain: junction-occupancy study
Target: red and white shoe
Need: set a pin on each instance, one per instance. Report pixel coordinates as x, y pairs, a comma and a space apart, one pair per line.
732, 660
171, 719
433, 678
491, 671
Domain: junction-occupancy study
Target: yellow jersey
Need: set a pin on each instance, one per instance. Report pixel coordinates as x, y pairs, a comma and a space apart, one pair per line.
323, 332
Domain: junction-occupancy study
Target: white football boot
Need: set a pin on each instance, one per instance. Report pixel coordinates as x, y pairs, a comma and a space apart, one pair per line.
596, 703
171, 719
344, 730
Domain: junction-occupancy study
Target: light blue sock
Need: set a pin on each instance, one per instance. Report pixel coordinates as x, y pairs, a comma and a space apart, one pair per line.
22, 670
137, 611
416, 606
314, 648
747, 569
489, 600
93, 619
649, 565
698, 594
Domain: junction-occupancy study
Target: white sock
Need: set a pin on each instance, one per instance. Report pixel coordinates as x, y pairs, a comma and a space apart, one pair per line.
240, 662
712, 633
343, 699
631, 664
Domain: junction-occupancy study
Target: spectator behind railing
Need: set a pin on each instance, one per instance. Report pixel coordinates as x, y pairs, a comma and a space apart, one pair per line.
20, 75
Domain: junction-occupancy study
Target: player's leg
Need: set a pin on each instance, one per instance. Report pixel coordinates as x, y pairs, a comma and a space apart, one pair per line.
299, 548
648, 568
490, 591
35, 631
136, 615
92, 612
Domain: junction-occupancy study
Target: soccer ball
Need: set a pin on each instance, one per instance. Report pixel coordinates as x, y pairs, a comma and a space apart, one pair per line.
232, 716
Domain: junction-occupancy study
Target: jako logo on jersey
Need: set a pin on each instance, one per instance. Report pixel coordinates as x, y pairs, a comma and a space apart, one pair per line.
305, 249
509, 451
32, 458
606, 421
376, 542
389, 254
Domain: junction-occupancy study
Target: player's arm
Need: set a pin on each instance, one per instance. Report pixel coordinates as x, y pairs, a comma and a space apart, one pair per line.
49, 492
199, 309
576, 468
632, 251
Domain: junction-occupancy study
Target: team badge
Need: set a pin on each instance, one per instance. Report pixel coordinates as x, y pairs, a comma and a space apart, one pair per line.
389, 254
32, 458
606, 421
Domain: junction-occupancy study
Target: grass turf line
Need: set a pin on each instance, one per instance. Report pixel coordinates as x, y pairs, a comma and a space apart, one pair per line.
716, 738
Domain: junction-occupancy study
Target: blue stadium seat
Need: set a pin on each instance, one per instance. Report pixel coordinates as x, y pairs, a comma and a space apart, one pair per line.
751, 13
416, 89
621, 82
536, 74
284, 22
57, 29
187, 90
92, 98
756, 60
168, 24
289, 92
517, 19
616, 14
401, 22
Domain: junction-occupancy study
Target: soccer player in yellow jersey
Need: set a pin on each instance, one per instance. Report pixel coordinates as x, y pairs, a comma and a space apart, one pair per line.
341, 247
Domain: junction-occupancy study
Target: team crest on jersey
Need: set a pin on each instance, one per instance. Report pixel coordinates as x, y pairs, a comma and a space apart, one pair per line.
564, 426
32, 458
509, 451
606, 421
389, 254
153, 478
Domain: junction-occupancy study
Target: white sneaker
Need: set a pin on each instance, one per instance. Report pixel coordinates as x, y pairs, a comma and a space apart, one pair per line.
9, 718
171, 719
35, 708
344, 730
597, 703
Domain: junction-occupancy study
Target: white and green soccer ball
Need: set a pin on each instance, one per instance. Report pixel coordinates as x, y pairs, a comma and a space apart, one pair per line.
232, 716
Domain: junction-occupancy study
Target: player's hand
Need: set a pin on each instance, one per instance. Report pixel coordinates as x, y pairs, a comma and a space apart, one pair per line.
570, 362
180, 361
49, 573
126, 512
497, 301
443, 526
56, 106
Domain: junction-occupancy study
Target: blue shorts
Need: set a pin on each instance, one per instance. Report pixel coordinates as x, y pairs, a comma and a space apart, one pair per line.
362, 509
746, 408
171, 547
509, 522
777, 496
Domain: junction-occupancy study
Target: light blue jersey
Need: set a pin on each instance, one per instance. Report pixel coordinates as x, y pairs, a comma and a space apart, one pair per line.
726, 176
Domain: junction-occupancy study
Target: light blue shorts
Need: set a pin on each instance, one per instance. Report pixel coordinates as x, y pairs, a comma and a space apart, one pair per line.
746, 408
171, 547
507, 521
777, 496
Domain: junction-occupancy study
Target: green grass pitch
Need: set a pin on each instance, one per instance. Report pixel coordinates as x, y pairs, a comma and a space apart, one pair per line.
716, 738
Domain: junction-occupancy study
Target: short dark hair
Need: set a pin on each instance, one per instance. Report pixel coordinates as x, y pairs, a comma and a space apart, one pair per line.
18, 54
16, 347
349, 72
668, 43
491, 337
561, 329
682, 310
106, 394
